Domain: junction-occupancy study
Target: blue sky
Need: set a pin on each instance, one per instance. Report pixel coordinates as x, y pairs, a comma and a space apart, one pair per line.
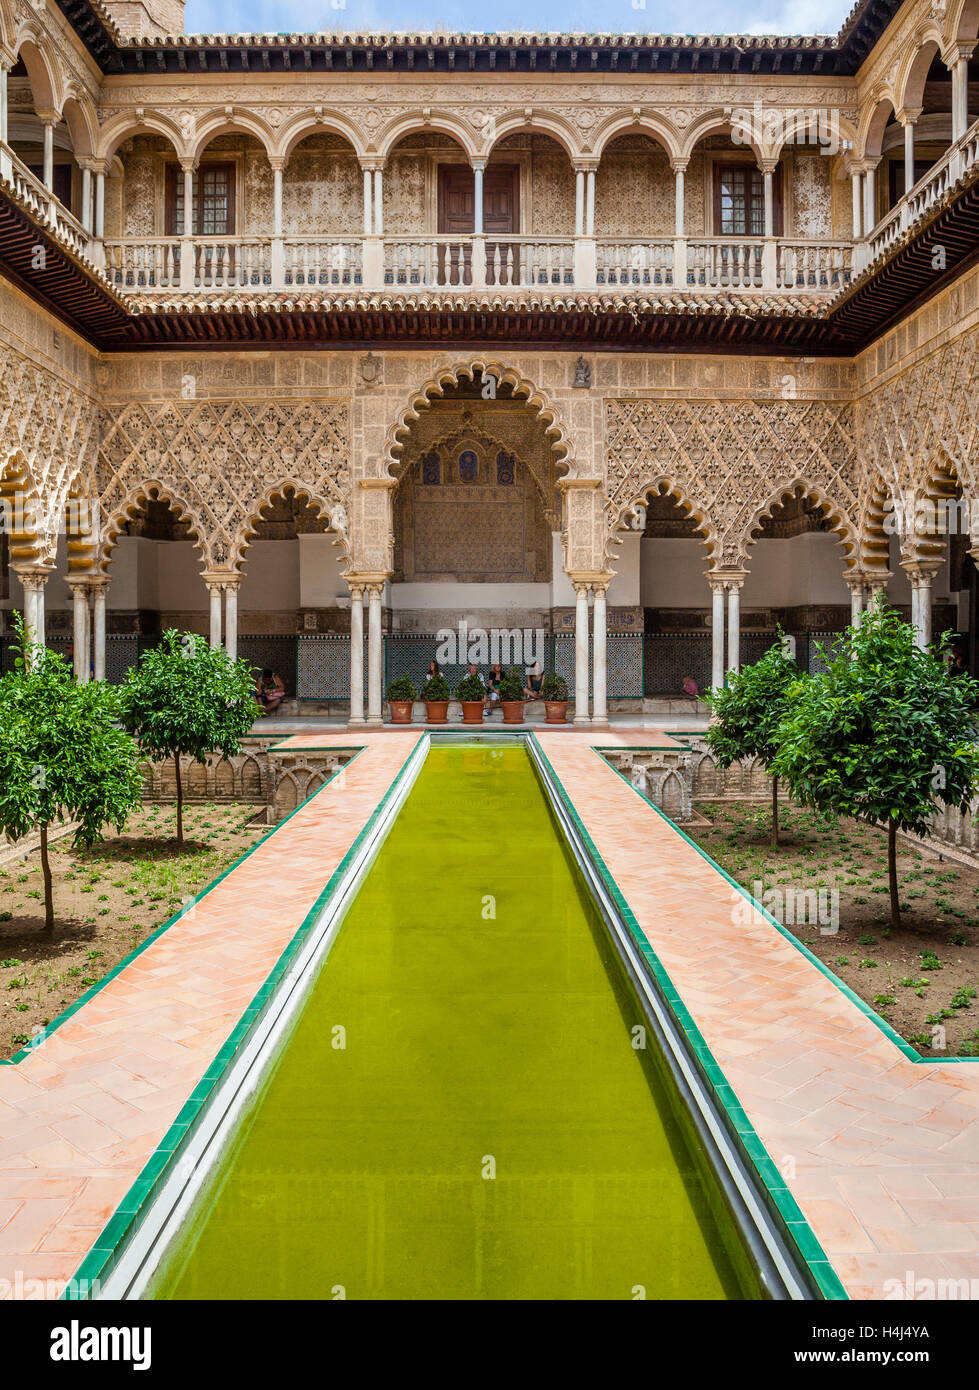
657, 16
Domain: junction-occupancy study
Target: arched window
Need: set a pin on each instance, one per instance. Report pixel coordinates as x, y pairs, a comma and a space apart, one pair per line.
432, 467
505, 469
468, 467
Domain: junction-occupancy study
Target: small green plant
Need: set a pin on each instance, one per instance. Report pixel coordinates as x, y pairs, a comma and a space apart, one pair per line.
402, 690
929, 961
868, 964
962, 998
511, 687
884, 1001
470, 689
555, 689
435, 690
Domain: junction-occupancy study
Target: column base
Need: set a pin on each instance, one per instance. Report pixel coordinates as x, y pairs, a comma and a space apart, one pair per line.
375, 722
581, 719
355, 723
600, 719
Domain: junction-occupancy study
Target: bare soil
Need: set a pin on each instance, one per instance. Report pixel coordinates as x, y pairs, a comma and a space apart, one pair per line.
107, 900
922, 978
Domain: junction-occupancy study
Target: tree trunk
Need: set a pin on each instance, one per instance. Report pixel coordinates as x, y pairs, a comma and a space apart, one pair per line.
48, 885
892, 872
180, 803
774, 810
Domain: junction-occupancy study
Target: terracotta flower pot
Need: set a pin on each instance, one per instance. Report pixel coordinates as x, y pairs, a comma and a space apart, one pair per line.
512, 711
472, 711
436, 711
401, 711
556, 711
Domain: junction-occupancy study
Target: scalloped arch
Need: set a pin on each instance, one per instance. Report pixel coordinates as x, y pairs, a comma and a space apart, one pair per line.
664, 485
796, 487
525, 390
326, 507
130, 506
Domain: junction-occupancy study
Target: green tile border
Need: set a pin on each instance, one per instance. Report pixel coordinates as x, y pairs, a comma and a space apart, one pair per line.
101, 1257
878, 1019
824, 1277
118, 968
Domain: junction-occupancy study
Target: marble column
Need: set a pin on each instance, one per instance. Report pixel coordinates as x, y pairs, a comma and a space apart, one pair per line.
857, 191
590, 203
99, 204
375, 654
870, 199
857, 593
717, 633
908, 154
98, 629
378, 202
356, 654
80, 629
679, 218
579, 203
581, 655
49, 123
368, 202
231, 618
3, 98
215, 592
734, 626
478, 198
33, 581
600, 657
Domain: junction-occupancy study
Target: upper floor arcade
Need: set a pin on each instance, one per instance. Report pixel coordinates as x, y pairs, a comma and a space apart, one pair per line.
252, 177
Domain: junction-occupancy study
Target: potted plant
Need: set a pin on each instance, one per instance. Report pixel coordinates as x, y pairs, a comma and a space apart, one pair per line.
435, 693
511, 697
555, 693
471, 693
401, 696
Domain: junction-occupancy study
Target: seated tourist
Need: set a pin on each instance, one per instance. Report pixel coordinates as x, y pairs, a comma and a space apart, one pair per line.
493, 686
535, 680
690, 687
434, 669
269, 691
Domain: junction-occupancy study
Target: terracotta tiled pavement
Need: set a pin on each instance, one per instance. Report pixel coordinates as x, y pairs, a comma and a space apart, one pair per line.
80, 1116
880, 1152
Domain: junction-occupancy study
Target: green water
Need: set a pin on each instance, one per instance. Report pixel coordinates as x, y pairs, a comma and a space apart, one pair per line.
488, 1130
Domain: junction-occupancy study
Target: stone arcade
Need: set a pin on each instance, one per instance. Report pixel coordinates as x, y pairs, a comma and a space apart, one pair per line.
647, 343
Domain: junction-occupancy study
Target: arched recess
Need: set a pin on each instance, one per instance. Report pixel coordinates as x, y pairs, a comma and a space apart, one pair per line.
963, 21
633, 516
423, 122
520, 387
553, 126
658, 129
81, 522
82, 122
720, 122
804, 491
874, 527
874, 125
241, 123
327, 509
321, 122
136, 502
829, 128
122, 127
44, 86
913, 73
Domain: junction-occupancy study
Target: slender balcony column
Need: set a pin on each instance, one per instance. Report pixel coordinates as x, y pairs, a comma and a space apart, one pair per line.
378, 202
908, 121
769, 175
478, 167
356, 654
921, 581
956, 59
769, 253
375, 654
231, 618
277, 267
579, 202
99, 203
86, 196
187, 266
4, 69
856, 178
870, 198
734, 624
600, 656
590, 203
716, 632
581, 655
99, 591
80, 629
368, 200
679, 199
49, 119
215, 592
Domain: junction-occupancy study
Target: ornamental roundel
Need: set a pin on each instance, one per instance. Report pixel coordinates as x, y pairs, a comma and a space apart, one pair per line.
468, 467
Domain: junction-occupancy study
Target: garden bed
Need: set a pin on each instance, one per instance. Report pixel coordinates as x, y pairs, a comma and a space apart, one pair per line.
921, 977
107, 900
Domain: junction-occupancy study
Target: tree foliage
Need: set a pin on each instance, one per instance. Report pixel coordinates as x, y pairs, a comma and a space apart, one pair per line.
885, 734
63, 754
187, 698
748, 712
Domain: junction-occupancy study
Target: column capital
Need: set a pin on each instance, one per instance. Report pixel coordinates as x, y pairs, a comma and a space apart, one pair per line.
679, 166
907, 115
585, 163
187, 162
730, 579
371, 163
960, 50
921, 572
768, 166
33, 577
48, 116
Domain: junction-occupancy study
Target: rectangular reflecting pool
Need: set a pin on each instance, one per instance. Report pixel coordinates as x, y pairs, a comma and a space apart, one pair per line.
464, 1108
